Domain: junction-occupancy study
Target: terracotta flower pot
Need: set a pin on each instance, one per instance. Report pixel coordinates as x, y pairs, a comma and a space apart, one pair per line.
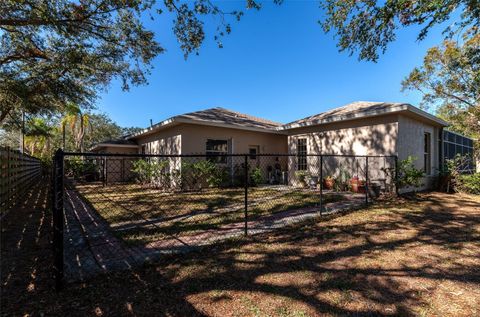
355, 184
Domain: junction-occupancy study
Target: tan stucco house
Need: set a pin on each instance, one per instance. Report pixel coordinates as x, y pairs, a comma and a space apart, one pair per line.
359, 128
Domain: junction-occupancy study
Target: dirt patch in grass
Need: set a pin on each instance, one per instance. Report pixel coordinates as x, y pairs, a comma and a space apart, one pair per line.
413, 257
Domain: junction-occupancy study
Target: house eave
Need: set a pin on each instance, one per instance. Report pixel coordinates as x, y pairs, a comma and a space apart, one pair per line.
396, 109
103, 145
427, 115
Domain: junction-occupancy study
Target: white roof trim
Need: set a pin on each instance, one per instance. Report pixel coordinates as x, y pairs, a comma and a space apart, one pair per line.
100, 145
427, 115
154, 127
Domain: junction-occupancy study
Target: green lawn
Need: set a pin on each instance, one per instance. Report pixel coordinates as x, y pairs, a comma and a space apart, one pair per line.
139, 215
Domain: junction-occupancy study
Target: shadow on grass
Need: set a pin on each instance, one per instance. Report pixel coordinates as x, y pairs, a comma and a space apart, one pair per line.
375, 262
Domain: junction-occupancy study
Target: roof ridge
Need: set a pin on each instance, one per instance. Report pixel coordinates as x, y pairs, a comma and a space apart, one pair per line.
248, 116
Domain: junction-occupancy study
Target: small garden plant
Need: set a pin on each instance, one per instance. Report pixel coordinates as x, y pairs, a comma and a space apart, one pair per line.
78, 168
256, 176
195, 175
302, 177
407, 174
468, 183
153, 173
454, 178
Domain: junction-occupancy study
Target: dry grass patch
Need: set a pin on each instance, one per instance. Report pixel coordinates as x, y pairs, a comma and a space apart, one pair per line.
140, 214
412, 257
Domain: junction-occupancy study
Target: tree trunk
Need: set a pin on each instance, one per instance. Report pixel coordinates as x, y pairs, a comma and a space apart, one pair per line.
63, 136
82, 133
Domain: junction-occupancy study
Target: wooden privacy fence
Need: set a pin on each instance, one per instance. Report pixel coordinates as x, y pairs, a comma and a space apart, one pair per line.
18, 173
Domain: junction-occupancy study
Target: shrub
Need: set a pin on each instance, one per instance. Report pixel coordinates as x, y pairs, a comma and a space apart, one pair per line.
196, 174
468, 183
215, 175
407, 173
256, 176
78, 167
343, 180
451, 174
152, 172
143, 171
302, 177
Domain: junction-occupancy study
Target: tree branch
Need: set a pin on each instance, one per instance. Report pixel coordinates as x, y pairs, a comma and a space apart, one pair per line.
5, 113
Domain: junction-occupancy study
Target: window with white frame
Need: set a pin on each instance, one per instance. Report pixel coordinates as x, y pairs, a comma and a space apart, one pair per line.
427, 153
302, 154
216, 148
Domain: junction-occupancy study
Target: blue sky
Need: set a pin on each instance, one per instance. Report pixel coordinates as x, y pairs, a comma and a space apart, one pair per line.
277, 63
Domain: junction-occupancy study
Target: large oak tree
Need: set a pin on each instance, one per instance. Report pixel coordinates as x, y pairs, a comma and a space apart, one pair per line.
55, 52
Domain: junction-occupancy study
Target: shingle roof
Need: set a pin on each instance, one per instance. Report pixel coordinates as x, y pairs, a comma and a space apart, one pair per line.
232, 119
350, 110
229, 117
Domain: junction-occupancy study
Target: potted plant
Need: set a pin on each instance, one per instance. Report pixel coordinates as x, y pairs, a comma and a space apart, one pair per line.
302, 178
328, 182
342, 181
355, 184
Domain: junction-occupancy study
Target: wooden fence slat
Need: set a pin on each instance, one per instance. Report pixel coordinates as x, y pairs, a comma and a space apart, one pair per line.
18, 172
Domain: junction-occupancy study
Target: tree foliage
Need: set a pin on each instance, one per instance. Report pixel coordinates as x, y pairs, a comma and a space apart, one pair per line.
368, 26
449, 80
55, 52
39, 136
43, 135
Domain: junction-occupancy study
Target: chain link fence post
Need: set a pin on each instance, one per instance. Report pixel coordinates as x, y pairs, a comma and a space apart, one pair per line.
396, 175
321, 184
366, 180
58, 217
104, 171
246, 194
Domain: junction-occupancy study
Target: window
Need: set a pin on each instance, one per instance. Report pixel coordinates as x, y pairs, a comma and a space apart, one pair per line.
216, 147
253, 153
427, 154
302, 154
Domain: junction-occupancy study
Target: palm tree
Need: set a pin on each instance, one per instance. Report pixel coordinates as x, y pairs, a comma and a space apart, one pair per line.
39, 136
79, 124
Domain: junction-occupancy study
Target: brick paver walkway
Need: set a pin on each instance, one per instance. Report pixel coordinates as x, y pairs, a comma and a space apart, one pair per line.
91, 248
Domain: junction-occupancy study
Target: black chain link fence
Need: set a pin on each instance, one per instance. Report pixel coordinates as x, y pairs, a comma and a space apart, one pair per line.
115, 211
